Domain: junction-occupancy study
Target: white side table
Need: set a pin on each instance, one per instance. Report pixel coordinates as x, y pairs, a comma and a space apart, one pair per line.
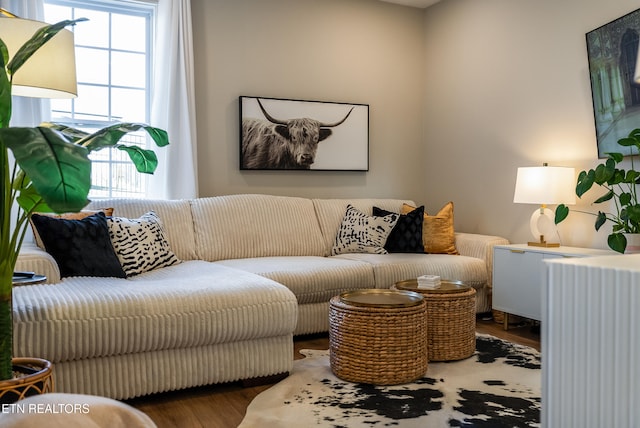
517, 276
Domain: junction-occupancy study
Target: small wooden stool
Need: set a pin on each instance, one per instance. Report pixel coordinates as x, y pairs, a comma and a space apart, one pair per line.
378, 336
451, 318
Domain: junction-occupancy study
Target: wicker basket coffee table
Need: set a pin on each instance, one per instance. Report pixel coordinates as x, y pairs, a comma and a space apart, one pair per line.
451, 318
378, 336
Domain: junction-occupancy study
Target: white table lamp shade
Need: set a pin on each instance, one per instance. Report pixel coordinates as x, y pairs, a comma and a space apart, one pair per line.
51, 71
545, 185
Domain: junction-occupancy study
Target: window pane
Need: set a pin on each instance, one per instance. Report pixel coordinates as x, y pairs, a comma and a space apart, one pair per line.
133, 39
128, 105
92, 102
128, 69
92, 65
95, 31
60, 108
57, 13
113, 75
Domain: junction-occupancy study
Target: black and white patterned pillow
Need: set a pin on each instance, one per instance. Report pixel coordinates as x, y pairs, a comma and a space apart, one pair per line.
140, 244
361, 233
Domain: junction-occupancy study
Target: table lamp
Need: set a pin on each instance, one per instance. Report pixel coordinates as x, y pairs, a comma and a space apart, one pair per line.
544, 185
51, 71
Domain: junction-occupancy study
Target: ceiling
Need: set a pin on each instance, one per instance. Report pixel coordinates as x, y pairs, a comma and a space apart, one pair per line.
414, 3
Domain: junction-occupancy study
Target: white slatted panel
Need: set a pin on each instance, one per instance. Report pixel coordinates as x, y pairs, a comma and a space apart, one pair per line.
591, 343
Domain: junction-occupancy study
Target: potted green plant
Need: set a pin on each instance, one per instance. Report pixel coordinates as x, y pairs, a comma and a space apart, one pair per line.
52, 173
620, 190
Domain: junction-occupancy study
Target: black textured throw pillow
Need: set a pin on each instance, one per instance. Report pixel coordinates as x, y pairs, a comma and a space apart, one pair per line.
406, 236
80, 247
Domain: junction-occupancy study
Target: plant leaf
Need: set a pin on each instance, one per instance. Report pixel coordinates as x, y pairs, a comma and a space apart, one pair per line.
5, 88
31, 201
604, 198
633, 216
617, 242
59, 170
616, 157
625, 198
585, 181
109, 136
145, 160
600, 220
562, 211
626, 142
71, 134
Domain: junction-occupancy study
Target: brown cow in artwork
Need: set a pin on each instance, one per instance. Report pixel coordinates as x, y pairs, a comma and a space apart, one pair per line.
282, 144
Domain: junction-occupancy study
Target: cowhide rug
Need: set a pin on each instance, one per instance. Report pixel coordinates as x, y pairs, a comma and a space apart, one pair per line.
499, 386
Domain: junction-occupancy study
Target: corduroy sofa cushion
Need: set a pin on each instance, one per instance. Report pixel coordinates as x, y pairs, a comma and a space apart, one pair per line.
191, 304
243, 226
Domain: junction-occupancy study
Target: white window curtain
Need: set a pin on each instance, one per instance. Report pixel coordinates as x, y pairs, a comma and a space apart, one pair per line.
28, 111
173, 102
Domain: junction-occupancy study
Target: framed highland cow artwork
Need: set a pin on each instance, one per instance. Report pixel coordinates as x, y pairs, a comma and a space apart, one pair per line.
284, 134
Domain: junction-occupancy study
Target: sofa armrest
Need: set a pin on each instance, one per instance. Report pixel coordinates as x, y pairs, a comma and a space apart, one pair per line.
481, 247
34, 259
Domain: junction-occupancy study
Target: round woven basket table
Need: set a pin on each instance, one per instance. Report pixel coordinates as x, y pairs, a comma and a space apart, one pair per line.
378, 336
451, 318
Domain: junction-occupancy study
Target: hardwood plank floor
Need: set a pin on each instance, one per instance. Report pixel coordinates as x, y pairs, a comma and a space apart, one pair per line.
224, 406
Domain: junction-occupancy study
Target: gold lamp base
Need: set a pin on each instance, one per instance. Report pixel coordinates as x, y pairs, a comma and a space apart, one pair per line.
543, 243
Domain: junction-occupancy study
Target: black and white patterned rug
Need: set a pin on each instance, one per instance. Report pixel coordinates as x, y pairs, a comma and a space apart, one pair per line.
499, 386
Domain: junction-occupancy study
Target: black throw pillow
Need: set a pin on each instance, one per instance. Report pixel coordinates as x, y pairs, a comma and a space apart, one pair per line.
406, 236
80, 247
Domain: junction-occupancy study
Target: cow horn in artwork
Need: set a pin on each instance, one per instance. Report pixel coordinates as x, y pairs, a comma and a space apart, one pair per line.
284, 122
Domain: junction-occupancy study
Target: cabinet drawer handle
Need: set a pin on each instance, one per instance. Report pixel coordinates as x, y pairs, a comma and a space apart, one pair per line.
517, 251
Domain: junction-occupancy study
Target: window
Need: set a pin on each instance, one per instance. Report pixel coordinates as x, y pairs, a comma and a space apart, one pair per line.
113, 63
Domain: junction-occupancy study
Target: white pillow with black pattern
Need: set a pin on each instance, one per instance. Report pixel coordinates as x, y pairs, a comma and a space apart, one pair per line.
362, 233
140, 244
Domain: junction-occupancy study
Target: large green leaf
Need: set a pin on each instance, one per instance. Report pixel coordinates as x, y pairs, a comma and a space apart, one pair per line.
144, 160
5, 88
109, 136
71, 134
30, 200
59, 170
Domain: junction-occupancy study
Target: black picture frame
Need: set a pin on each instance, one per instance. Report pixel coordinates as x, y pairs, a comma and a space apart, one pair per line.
612, 51
290, 134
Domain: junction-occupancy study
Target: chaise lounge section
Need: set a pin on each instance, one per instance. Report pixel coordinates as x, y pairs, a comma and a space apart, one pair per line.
255, 270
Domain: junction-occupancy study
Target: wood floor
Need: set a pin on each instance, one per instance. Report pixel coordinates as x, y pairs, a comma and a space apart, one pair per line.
224, 406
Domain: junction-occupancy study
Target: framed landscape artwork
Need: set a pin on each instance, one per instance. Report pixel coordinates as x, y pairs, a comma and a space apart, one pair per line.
284, 134
612, 50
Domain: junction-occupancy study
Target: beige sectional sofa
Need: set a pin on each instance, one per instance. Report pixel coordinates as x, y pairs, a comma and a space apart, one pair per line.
255, 271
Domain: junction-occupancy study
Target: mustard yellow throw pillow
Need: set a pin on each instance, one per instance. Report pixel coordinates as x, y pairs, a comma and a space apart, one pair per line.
438, 235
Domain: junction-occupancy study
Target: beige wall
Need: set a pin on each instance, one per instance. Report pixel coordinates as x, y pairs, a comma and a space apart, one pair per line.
461, 94
353, 51
511, 83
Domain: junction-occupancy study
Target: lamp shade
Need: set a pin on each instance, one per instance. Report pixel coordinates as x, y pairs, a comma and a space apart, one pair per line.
51, 71
546, 185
